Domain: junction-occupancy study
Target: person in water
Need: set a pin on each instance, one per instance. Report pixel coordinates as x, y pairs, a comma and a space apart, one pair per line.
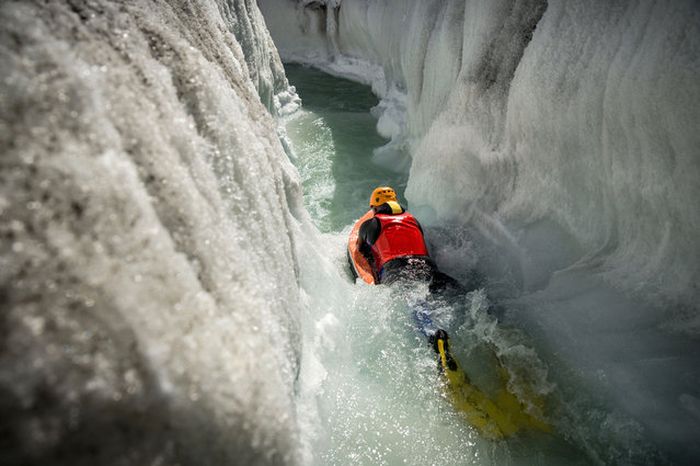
393, 243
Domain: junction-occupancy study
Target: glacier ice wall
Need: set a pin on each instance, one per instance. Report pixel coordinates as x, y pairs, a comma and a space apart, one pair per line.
148, 275
563, 136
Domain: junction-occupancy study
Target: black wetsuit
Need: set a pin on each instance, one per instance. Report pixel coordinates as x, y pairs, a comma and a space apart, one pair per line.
408, 268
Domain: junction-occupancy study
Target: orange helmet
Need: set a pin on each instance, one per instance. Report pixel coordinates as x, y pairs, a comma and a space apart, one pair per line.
381, 195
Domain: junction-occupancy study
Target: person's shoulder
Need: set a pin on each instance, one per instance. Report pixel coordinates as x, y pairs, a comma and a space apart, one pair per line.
370, 221
369, 229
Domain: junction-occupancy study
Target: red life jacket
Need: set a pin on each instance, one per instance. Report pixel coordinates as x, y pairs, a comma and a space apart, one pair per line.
399, 236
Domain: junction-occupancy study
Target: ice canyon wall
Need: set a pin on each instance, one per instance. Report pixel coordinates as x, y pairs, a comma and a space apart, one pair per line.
148, 278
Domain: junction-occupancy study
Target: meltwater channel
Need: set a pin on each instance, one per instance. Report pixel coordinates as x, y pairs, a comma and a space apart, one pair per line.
370, 388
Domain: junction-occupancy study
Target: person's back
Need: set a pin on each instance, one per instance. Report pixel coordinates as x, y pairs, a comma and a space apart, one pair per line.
393, 243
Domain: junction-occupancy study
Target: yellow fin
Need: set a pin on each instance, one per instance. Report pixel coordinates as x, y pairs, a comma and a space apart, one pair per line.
495, 419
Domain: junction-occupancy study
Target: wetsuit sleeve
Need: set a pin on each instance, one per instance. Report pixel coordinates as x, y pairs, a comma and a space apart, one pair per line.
368, 234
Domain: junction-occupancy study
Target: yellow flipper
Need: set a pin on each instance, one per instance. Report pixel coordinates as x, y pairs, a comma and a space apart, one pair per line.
495, 419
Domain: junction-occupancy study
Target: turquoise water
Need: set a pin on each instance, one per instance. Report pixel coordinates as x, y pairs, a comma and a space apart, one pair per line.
371, 392
334, 137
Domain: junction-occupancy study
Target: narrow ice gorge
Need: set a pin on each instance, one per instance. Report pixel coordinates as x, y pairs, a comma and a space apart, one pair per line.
560, 139
156, 272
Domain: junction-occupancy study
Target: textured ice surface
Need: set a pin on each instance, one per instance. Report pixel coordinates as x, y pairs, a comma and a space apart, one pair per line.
148, 274
561, 138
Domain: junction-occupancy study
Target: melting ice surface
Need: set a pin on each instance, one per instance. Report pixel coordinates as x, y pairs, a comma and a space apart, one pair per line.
147, 236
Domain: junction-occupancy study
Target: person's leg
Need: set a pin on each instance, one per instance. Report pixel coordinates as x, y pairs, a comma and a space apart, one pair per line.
444, 284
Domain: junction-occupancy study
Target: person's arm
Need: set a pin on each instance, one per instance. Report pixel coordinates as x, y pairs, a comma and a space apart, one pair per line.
368, 234
419, 226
